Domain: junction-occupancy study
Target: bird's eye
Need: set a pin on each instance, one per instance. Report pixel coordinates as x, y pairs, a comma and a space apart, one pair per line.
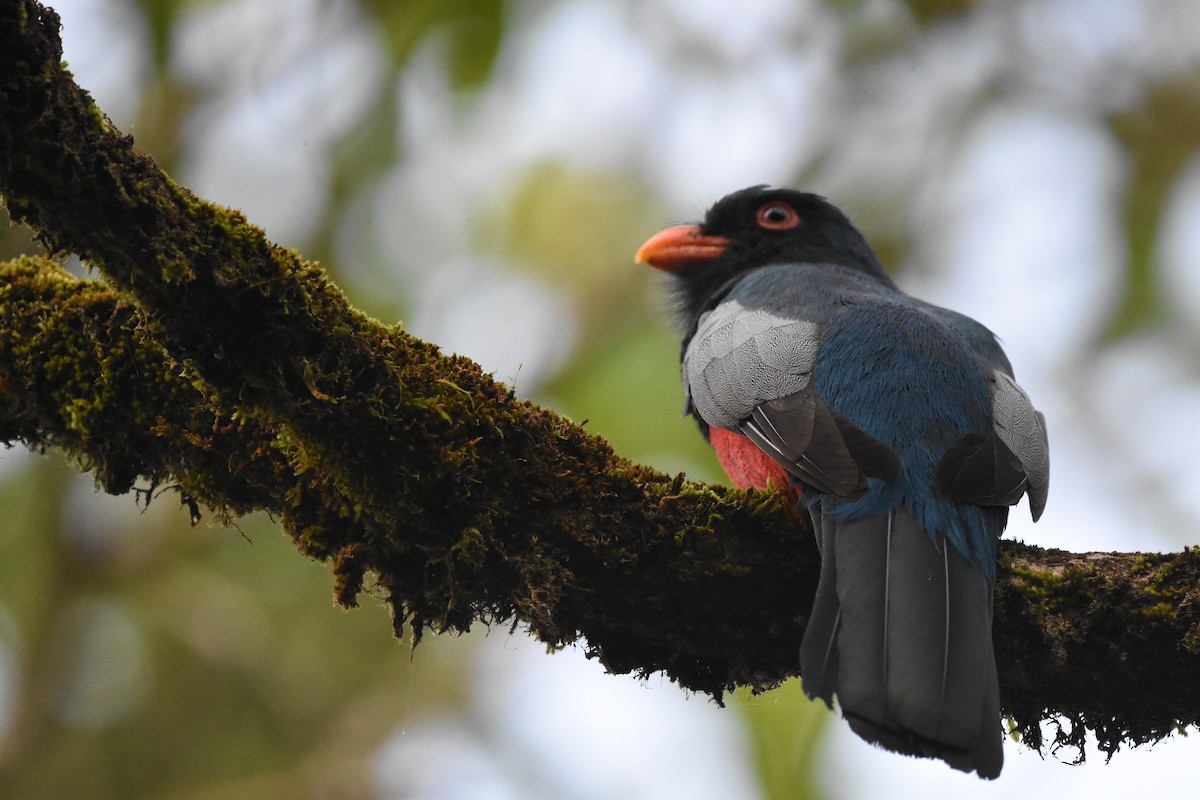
778, 216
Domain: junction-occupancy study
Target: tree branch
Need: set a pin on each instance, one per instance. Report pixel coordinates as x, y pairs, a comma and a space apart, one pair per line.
235, 369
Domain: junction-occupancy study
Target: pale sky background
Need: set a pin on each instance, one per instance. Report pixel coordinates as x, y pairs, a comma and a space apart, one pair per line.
1017, 223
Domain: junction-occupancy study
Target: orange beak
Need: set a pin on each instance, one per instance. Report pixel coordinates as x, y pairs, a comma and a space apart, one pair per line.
673, 248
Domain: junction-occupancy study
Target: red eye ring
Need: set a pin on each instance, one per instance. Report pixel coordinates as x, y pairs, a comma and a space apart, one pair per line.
777, 216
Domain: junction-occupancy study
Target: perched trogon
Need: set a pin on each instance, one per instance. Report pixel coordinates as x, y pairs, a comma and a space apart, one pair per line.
901, 429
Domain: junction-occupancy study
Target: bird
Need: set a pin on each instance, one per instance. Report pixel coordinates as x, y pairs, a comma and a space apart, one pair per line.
898, 427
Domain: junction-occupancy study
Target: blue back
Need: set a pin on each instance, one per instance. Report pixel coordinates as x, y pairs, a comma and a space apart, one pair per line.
911, 381
911, 374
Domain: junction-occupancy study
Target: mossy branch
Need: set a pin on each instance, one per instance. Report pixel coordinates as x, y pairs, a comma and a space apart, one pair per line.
217, 362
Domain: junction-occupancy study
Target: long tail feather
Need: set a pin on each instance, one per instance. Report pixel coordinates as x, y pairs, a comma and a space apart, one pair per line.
818, 650
901, 634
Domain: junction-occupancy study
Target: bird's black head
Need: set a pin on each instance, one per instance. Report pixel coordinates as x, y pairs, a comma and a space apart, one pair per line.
753, 228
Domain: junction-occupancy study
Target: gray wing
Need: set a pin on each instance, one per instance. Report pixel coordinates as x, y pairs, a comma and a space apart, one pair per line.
1013, 459
1022, 428
739, 358
821, 448
750, 370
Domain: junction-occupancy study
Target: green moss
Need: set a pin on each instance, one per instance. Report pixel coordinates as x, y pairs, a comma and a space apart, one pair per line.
471, 549
1191, 640
1159, 583
1161, 611
1040, 583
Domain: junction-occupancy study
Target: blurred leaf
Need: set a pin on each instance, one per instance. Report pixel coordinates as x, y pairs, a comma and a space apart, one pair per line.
160, 21
575, 227
358, 160
249, 669
579, 229
32, 503
1161, 135
367, 149
871, 30
474, 31
924, 12
166, 107
929, 11
786, 730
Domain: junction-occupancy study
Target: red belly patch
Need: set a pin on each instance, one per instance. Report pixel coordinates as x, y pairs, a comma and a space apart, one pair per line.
746, 465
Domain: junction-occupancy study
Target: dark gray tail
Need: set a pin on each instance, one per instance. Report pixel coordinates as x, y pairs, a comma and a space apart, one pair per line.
901, 632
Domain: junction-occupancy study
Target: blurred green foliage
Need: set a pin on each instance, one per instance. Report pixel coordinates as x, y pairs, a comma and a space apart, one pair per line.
471, 31
786, 729
927, 11
1161, 136
160, 18
248, 682
157, 659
